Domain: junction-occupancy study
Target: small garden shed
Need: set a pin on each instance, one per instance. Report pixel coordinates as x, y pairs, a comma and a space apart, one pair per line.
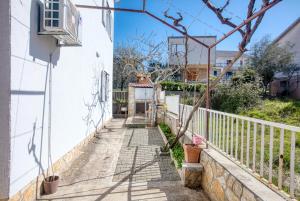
139, 95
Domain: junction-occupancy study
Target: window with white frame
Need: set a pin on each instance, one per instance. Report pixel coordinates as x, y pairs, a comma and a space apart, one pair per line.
52, 13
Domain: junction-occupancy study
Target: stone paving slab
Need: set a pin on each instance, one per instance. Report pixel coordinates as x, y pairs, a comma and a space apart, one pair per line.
139, 158
122, 165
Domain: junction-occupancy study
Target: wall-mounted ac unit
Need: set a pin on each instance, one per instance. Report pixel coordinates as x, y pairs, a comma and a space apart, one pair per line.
61, 19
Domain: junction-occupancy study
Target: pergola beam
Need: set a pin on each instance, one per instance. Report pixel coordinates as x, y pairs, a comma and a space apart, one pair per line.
209, 47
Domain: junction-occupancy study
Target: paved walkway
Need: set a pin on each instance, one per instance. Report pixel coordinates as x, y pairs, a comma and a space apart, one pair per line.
122, 165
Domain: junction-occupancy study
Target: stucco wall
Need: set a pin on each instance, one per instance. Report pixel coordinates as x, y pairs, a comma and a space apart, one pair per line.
4, 96
197, 53
72, 85
292, 37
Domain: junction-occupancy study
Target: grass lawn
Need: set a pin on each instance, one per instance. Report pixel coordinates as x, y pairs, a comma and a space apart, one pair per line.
281, 111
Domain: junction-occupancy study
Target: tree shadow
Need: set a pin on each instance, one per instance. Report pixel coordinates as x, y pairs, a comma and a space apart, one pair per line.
133, 189
32, 147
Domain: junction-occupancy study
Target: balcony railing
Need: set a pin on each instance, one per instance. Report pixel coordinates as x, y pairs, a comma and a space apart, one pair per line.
222, 65
265, 149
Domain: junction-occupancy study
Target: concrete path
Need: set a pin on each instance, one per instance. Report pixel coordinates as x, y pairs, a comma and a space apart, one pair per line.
121, 165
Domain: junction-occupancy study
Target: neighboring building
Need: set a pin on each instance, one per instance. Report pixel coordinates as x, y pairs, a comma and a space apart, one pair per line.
26, 58
223, 58
291, 36
197, 57
284, 84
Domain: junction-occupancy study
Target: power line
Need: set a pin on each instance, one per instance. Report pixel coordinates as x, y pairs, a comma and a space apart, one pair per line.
196, 18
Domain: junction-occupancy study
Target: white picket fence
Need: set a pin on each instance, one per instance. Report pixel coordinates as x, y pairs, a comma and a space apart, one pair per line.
257, 145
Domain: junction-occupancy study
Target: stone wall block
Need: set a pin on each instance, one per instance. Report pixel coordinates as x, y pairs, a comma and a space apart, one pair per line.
218, 190
222, 181
247, 195
219, 170
230, 196
230, 181
237, 188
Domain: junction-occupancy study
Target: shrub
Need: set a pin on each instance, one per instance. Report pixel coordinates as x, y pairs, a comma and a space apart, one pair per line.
187, 101
178, 154
242, 93
180, 86
177, 151
235, 98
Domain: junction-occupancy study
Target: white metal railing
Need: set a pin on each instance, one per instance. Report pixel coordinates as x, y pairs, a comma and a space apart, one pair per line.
266, 149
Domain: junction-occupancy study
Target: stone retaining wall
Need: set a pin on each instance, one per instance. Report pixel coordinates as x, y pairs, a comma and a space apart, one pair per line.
221, 185
222, 179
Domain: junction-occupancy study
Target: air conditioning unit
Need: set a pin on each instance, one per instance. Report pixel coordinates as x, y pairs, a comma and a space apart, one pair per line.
62, 20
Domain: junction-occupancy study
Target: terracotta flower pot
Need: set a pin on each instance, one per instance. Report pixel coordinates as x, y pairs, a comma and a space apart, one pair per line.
191, 153
50, 184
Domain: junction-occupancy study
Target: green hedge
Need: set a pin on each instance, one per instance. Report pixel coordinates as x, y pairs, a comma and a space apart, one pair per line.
180, 86
178, 153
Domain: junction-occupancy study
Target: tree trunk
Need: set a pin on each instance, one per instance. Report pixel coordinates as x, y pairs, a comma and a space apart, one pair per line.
181, 132
153, 111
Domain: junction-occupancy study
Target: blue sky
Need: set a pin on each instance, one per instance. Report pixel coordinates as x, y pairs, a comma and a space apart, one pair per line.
200, 20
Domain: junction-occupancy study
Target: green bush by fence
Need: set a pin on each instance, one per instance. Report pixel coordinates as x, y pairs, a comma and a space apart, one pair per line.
180, 86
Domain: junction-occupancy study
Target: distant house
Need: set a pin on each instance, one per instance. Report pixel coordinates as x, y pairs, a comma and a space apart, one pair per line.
223, 58
196, 58
284, 84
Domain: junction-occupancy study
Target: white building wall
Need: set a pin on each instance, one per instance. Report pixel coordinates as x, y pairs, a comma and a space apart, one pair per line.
293, 37
143, 93
73, 83
172, 103
4, 97
197, 53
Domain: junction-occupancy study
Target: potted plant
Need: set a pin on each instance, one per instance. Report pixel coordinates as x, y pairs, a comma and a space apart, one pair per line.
50, 184
192, 151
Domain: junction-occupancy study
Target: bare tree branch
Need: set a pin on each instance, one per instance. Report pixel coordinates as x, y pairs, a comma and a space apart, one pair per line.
218, 12
246, 37
176, 21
